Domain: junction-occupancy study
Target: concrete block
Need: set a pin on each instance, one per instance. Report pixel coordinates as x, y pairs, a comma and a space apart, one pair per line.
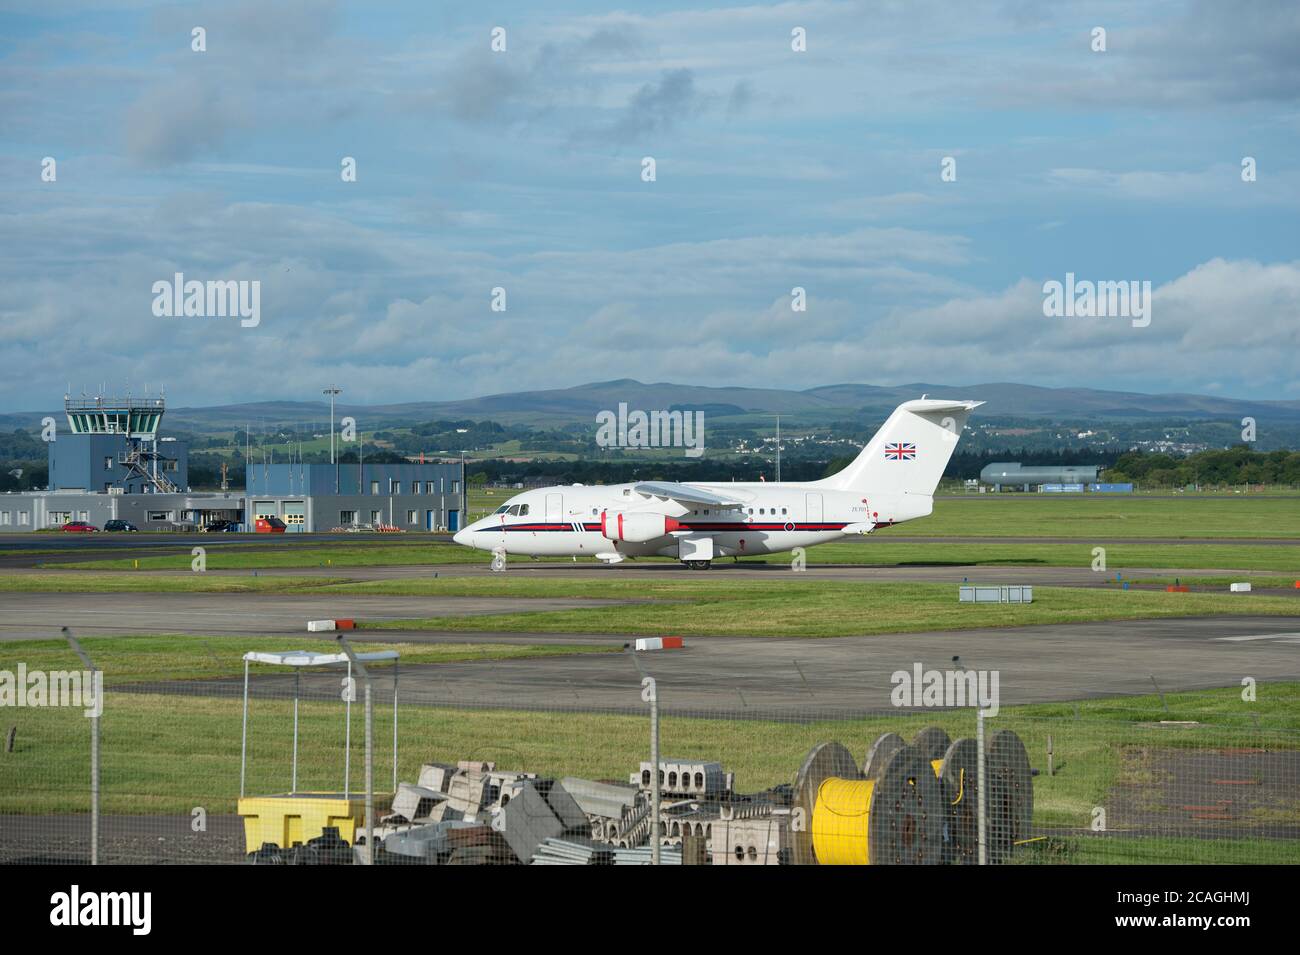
468, 792
601, 799
415, 802
528, 821
425, 843
685, 778
436, 776
566, 809
750, 841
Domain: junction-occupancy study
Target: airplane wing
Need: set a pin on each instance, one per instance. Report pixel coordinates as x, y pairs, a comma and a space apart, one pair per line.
684, 494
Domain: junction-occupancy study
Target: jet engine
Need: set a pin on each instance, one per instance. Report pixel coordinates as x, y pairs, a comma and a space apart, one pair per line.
637, 527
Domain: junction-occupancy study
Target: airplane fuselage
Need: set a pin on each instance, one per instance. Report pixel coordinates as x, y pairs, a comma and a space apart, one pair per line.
581, 520
892, 480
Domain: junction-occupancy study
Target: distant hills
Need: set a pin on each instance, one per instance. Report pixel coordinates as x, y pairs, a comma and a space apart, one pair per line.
580, 404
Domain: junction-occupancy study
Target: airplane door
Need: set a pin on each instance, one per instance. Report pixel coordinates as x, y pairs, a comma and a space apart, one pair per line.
814, 508
555, 508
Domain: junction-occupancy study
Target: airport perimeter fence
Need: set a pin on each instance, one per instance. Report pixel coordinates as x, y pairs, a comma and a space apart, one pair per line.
519, 775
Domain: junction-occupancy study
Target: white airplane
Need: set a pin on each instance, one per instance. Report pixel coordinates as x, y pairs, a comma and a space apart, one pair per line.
892, 480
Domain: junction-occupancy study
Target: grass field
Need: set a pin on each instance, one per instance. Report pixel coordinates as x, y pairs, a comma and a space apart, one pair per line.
1090, 516
136, 659
157, 583
1118, 849
799, 605
167, 754
882, 552
799, 609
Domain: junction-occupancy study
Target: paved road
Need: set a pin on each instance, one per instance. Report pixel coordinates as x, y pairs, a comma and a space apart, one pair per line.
774, 568
791, 678
28, 549
38, 616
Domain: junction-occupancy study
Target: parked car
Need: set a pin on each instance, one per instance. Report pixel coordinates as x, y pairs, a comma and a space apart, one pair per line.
222, 526
270, 525
116, 525
80, 527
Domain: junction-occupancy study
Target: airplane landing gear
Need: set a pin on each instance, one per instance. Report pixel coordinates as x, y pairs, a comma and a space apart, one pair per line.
498, 560
698, 564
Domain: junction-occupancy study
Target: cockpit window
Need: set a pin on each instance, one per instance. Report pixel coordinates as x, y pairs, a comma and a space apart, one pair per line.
513, 510
502, 509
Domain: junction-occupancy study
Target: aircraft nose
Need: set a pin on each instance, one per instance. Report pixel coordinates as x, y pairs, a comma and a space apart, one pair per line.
463, 537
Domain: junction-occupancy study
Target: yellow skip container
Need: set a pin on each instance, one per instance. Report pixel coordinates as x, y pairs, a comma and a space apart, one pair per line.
286, 819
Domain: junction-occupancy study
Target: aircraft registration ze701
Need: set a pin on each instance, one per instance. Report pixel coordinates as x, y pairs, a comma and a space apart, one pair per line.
892, 480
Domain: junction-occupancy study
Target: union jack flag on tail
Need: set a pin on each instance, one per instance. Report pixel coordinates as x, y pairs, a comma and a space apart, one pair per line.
900, 451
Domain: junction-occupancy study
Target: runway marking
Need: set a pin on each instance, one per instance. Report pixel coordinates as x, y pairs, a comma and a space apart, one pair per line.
1279, 637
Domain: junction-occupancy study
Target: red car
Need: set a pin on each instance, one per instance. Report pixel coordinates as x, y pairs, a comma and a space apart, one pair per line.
80, 527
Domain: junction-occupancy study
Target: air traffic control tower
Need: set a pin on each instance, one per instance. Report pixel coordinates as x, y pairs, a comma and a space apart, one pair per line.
114, 447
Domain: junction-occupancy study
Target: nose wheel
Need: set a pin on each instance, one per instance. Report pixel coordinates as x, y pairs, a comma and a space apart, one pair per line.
498, 560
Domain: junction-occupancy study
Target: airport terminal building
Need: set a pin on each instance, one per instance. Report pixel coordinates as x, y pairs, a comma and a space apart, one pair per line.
112, 465
315, 497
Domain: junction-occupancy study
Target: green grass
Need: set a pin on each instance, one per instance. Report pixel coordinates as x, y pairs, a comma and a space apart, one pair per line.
188, 583
1088, 517
171, 753
882, 552
1218, 582
798, 609
136, 659
1117, 849
797, 605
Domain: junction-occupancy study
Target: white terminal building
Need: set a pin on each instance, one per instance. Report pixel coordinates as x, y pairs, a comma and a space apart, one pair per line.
111, 464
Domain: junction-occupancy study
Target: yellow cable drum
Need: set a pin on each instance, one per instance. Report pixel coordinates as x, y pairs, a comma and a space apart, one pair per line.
894, 818
911, 803
841, 835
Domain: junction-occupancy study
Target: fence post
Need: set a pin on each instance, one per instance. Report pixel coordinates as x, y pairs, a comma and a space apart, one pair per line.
94, 751
654, 773
243, 736
650, 694
370, 752
983, 791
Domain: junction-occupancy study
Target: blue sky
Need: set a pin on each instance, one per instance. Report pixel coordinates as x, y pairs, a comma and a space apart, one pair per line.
522, 169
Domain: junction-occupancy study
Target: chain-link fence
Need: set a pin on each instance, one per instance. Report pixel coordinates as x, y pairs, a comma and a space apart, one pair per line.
233, 759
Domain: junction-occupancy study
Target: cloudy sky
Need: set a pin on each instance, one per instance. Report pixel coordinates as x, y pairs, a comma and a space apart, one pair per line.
522, 170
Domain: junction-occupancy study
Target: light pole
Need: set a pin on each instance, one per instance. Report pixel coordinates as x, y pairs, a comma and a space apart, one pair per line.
332, 391
778, 448
464, 494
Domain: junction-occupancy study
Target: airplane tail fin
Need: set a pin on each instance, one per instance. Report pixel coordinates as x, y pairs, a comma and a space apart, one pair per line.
909, 452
